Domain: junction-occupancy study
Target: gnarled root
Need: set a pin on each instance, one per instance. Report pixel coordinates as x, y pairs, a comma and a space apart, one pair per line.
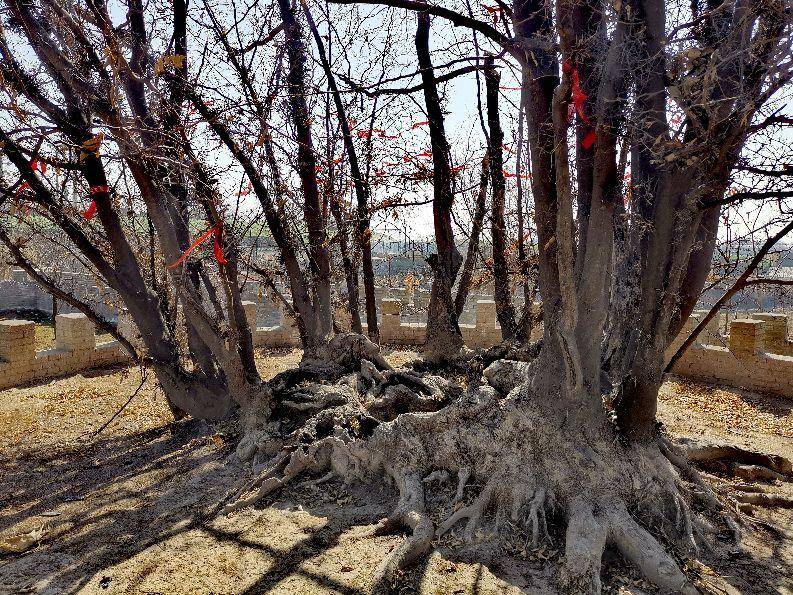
290, 463
411, 514
699, 452
529, 457
584, 544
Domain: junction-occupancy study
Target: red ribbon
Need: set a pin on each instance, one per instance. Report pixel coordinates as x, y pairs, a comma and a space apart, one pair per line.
212, 231
511, 175
577, 93
579, 97
89, 213
37, 164
417, 124
589, 139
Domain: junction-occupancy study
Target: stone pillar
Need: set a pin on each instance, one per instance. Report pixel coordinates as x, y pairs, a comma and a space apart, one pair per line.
485, 314
74, 332
746, 337
17, 351
486, 331
250, 313
390, 319
774, 331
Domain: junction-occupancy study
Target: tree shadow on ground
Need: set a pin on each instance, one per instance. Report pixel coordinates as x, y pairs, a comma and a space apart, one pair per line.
95, 500
120, 495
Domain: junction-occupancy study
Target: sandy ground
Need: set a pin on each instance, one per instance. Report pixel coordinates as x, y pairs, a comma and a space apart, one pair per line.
120, 511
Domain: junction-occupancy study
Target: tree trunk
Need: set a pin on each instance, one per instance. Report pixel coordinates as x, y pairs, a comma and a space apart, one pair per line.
319, 255
472, 254
503, 295
361, 186
443, 331
350, 274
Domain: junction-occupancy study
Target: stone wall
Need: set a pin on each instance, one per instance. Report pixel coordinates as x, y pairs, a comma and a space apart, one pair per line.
75, 350
756, 355
76, 347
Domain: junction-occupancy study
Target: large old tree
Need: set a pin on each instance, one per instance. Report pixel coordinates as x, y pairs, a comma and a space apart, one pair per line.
674, 90
618, 277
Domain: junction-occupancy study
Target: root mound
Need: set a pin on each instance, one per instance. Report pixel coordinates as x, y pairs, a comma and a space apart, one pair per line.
517, 460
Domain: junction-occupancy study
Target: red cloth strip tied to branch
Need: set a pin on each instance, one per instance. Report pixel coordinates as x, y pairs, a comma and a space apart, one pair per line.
577, 93
578, 98
38, 164
212, 231
90, 212
589, 139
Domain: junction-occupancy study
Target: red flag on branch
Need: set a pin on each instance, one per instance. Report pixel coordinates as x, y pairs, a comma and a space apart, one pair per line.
212, 231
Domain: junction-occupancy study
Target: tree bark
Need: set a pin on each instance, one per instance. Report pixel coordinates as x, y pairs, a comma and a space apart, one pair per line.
443, 331
313, 211
362, 192
505, 310
472, 254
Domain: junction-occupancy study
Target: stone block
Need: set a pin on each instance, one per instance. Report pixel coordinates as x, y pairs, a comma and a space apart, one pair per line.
485, 314
746, 337
74, 332
390, 306
774, 331
17, 340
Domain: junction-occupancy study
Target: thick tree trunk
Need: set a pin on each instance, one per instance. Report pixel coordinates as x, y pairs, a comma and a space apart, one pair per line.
526, 317
443, 330
503, 295
350, 274
361, 186
533, 19
319, 254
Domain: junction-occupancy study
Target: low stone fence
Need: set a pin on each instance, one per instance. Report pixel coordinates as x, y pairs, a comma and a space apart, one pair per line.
75, 350
484, 333
76, 347
757, 353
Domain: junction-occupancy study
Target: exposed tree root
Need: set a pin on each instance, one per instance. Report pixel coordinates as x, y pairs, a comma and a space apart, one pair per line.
763, 499
529, 456
708, 452
410, 513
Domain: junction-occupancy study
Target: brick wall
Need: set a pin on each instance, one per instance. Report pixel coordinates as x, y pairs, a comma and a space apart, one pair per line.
75, 350
756, 355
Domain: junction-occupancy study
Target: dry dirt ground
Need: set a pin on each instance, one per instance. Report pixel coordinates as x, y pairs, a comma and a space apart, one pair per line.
119, 511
